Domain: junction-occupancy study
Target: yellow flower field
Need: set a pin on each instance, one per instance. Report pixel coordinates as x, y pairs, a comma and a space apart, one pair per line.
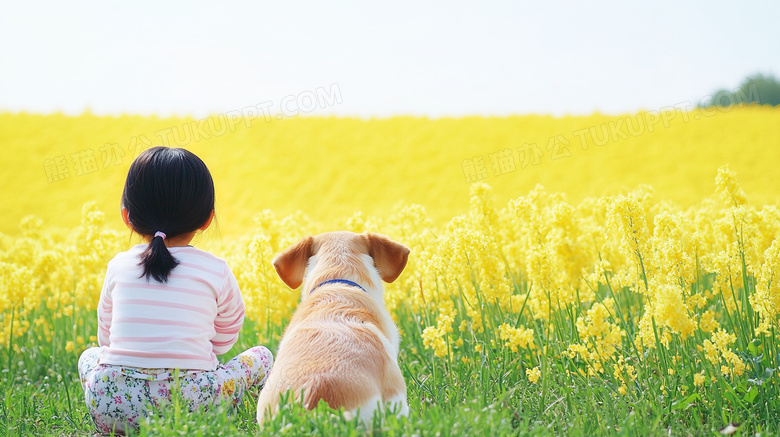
329, 168
647, 262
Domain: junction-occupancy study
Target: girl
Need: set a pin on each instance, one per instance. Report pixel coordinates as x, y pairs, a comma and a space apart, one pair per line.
166, 309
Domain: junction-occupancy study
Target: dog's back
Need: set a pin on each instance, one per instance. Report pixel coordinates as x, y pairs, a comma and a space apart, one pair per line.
340, 346
333, 350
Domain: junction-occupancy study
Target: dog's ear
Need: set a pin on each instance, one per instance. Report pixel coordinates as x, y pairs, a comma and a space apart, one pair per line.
389, 257
291, 264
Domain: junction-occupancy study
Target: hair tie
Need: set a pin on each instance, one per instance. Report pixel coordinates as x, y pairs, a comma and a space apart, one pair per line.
160, 234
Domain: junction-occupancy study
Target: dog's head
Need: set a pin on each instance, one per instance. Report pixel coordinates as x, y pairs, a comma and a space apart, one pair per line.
362, 258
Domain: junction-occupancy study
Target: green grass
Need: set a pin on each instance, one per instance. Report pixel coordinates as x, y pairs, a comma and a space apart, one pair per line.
487, 396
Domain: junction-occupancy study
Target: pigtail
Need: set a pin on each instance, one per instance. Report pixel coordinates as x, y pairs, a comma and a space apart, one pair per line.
167, 191
157, 260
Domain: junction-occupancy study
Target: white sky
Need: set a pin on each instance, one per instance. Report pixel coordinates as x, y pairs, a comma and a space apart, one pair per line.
396, 58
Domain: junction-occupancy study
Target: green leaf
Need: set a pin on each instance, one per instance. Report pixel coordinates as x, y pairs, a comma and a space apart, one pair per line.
753, 346
751, 395
684, 403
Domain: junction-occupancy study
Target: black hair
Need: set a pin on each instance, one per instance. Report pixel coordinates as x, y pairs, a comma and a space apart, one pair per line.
167, 190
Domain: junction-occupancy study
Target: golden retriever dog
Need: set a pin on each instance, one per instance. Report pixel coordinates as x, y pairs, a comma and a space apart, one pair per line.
341, 345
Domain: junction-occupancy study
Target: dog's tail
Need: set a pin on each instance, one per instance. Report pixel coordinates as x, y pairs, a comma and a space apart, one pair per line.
338, 391
320, 388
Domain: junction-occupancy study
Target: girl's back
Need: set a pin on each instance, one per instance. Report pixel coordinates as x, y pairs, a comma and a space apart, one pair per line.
184, 323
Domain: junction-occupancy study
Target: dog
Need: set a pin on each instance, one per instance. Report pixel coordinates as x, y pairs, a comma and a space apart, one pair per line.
341, 345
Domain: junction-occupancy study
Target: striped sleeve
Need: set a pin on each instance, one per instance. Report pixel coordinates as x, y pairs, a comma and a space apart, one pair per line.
230, 315
104, 310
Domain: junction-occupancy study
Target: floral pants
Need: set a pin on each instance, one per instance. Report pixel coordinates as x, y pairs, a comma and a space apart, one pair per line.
118, 397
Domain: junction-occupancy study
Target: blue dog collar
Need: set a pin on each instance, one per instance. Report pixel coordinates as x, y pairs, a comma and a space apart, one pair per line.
337, 281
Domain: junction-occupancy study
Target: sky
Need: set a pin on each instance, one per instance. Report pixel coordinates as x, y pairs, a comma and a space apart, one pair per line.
372, 59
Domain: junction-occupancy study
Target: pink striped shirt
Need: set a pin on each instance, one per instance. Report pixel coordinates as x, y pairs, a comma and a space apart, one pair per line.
184, 323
